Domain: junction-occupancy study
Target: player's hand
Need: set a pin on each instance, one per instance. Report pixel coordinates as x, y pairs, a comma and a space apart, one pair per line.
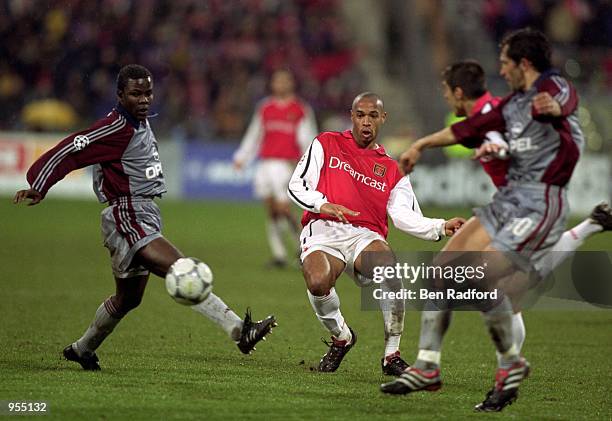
34, 196
545, 104
491, 150
409, 159
238, 165
452, 226
338, 211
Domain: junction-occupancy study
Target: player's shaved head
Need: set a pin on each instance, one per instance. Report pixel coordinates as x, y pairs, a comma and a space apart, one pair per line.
369, 96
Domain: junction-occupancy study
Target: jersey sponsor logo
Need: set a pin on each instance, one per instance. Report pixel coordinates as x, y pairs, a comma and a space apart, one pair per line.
380, 170
337, 163
522, 144
286, 127
80, 142
517, 128
153, 171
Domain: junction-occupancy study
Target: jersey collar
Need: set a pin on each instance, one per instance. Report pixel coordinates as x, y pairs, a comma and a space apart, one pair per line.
545, 75
481, 102
121, 110
380, 150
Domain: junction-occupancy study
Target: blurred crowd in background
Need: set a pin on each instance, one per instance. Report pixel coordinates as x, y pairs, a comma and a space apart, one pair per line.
212, 58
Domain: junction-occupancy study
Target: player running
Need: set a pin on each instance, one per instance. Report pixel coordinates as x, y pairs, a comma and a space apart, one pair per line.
464, 89
347, 185
526, 217
128, 176
280, 131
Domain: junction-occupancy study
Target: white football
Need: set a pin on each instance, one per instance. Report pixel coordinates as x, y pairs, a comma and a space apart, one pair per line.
189, 281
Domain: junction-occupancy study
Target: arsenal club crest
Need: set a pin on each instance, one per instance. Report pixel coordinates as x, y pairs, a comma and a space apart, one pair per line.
380, 170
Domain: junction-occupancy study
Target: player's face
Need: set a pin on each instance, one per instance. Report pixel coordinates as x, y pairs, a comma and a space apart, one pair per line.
282, 83
453, 102
137, 96
367, 117
511, 71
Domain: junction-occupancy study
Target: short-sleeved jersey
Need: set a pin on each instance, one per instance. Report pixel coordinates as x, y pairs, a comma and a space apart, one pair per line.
497, 169
542, 148
123, 150
359, 179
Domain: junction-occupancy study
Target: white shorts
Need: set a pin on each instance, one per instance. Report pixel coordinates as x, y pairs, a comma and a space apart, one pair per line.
344, 241
272, 178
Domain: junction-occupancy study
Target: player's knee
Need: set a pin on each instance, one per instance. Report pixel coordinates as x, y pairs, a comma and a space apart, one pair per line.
317, 283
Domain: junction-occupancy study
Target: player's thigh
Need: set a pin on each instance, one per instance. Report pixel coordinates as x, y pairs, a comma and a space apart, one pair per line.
158, 256
321, 270
471, 237
378, 253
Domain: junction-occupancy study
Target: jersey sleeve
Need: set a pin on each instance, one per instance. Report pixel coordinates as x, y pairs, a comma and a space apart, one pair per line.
105, 141
562, 91
404, 211
303, 184
472, 131
251, 141
307, 128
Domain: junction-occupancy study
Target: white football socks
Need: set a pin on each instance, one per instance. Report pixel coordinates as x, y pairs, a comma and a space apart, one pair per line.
216, 310
569, 242
274, 231
518, 333
105, 320
392, 343
327, 309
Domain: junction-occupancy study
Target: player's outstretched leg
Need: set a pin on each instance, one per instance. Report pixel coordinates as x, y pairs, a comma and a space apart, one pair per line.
253, 332
505, 390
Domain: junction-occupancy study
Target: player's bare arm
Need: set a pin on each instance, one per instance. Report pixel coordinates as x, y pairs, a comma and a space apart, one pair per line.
441, 138
545, 104
338, 211
34, 196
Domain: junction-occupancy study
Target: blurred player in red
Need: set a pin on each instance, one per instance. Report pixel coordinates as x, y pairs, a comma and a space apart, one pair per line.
281, 129
348, 186
465, 91
527, 215
128, 176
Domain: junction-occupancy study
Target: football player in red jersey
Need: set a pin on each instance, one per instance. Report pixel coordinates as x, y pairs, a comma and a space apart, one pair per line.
281, 129
348, 186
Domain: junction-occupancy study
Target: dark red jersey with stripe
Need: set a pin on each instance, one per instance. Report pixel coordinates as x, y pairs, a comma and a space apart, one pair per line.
542, 148
123, 151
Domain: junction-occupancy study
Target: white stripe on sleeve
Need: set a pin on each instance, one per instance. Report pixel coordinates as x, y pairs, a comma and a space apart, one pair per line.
305, 178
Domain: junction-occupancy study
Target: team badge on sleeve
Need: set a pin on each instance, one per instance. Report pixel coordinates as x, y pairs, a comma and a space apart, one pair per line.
380, 170
80, 142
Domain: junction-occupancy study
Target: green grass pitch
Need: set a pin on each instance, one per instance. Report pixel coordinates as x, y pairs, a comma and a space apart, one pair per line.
165, 361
